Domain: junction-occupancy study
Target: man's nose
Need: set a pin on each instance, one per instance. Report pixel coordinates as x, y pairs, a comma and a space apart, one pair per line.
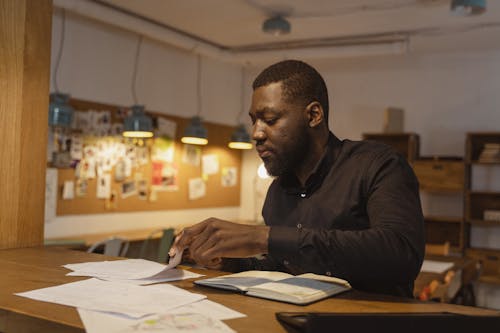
258, 133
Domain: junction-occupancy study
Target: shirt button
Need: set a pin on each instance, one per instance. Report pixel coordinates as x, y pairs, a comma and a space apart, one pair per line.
303, 195
285, 262
299, 226
328, 273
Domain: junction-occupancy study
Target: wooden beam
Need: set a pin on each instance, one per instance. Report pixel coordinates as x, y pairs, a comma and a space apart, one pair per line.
25, 36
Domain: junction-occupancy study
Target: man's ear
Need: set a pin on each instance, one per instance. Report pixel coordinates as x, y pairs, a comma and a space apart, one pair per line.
315, 114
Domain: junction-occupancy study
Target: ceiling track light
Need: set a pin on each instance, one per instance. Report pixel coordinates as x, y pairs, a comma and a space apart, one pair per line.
468, 7
276, 25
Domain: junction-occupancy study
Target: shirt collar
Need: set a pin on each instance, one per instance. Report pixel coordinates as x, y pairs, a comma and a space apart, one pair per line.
291, 184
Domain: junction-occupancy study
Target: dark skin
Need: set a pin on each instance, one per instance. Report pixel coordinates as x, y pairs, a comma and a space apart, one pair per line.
277, 125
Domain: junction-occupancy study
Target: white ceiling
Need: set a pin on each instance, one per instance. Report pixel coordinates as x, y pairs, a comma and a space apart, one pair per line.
235, 25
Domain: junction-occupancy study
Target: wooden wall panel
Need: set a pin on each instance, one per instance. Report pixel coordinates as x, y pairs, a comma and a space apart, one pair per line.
25, 32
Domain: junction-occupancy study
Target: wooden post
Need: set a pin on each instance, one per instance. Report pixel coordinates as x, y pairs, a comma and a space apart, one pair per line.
25, 34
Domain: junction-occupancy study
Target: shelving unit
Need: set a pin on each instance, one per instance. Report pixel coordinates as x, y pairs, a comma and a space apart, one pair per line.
477, 201
408, 144
439, 176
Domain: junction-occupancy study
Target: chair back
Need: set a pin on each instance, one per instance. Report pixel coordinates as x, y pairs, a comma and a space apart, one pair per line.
165, 242
114, 246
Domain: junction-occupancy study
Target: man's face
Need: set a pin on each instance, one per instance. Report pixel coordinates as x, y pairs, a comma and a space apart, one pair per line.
279, 130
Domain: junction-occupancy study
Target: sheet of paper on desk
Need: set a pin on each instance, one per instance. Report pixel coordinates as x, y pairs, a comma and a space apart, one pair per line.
117, 269
133, 301
136, 271
98, 322
433, 266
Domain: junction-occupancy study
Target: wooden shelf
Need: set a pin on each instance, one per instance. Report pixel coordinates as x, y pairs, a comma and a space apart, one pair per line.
490, 279
486, 223
443, 219
482, 163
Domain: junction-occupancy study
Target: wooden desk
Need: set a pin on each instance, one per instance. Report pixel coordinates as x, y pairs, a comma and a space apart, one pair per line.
33, 268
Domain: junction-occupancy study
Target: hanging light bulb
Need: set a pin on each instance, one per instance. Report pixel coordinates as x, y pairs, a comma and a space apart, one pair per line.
195, 133
240, 139
138, 124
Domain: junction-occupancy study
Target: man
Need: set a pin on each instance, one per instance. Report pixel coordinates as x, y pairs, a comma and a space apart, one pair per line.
342, 208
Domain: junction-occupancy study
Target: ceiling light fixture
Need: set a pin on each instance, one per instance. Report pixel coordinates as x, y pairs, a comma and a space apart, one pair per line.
276, 25
138, 124
195, 133
468, 7
60, 112
240, 139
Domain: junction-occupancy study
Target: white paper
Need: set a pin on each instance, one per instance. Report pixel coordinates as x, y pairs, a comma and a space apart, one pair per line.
103, 186
229, 176
165, 276
133, 301
197, 188
166, 128
50, 194
98, 322
432, 266
68, 190
191, 155
209, 309
210, 164
118, 269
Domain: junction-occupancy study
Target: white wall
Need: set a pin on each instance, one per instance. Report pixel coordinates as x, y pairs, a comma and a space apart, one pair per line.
444, 96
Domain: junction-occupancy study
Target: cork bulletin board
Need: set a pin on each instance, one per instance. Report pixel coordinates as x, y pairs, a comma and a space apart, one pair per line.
217, 195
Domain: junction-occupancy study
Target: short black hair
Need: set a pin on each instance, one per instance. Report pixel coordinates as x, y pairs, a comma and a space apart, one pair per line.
300, 82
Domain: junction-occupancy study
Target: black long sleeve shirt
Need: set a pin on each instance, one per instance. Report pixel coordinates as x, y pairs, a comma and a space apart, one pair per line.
358, 218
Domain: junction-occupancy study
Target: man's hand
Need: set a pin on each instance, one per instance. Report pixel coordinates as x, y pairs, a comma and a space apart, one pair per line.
213, 239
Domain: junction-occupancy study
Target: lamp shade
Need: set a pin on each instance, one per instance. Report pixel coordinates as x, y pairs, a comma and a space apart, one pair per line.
468, 7
276, 25
195, 133
240, 139
138, 124
60, 112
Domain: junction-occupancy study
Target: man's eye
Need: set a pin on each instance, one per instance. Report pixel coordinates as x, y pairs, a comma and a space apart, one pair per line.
270, 121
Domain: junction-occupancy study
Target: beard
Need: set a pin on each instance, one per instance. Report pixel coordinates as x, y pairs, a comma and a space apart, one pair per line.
286, 159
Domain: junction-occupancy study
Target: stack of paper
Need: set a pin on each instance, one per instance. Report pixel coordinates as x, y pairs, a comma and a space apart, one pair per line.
115, 300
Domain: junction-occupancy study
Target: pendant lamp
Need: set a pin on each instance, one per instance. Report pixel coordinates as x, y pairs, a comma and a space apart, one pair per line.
276, 26
138, 124
240, 139
60, 112
468, 7
195, 133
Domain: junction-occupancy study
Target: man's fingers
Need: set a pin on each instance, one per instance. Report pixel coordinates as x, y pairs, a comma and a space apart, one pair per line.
186, 237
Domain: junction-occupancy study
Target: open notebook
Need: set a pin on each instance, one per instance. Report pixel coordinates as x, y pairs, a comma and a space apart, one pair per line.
300, 289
